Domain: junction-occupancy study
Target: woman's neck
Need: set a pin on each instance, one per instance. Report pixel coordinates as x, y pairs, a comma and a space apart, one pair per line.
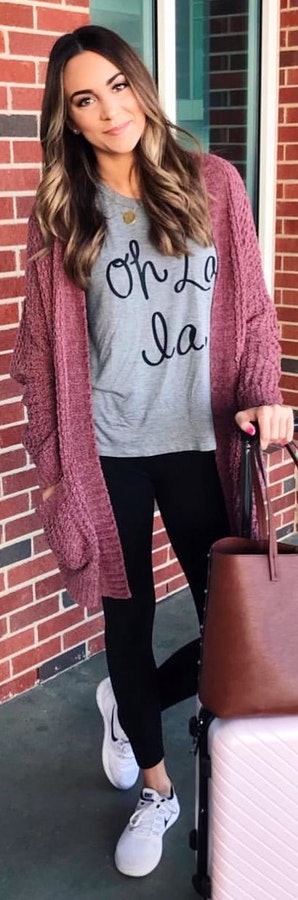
119, 173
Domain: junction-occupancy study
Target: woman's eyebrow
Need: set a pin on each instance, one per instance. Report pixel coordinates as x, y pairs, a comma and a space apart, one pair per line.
90, 90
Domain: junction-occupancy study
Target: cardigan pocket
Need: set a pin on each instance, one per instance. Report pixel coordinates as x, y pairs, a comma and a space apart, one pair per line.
64, 529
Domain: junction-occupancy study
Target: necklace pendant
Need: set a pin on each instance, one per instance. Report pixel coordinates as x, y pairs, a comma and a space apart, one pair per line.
129, 217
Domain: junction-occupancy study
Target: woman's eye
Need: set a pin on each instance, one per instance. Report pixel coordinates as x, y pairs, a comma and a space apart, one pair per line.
85, 101
120, 86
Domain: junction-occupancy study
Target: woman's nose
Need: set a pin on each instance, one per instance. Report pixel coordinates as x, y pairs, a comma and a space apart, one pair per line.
108, 107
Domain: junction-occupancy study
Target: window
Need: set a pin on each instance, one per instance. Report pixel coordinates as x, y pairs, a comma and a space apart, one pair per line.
192, 78
134, 20
209, 76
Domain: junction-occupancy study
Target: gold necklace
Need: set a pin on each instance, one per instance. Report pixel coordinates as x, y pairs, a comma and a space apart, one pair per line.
129, 215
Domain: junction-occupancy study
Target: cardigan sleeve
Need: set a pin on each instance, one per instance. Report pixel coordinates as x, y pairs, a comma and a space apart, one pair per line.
33, 366
256, 321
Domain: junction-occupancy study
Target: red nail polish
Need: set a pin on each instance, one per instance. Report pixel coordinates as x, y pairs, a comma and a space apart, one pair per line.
250, 429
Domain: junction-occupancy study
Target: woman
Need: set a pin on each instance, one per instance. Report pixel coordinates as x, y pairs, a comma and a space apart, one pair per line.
147, 328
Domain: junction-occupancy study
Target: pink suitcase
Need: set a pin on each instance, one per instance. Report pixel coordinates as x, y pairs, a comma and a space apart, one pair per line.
247, 808
246, 834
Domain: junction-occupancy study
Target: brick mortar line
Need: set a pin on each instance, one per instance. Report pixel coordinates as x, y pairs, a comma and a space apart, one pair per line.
22, 84
26, 166
46, 597
7, 56
10, 400
59, 6
162, 584
22, 537
34, 646
157, 550
67, 630
17, 272
30, 581
22, 515
285, 322
26, 29
162, 547
17, 493
42, 621
12, 447
17, 471
167, 564
2, 303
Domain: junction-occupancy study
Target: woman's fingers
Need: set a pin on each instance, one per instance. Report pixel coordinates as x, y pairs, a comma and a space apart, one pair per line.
276, 423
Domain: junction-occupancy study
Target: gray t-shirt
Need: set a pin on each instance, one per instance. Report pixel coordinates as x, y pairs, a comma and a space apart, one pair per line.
149, 328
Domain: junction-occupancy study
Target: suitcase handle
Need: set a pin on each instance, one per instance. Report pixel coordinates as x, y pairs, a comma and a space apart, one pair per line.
201, 880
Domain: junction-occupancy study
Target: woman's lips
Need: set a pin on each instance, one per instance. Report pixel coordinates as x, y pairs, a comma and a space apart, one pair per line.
119, 129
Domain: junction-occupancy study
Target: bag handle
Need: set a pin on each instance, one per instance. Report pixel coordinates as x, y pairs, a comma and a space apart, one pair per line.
258, 467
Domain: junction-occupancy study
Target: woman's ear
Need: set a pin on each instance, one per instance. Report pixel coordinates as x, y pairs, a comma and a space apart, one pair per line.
72, 127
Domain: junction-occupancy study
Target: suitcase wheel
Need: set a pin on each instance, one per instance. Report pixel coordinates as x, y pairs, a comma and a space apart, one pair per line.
193, 726
202, 886
193, 839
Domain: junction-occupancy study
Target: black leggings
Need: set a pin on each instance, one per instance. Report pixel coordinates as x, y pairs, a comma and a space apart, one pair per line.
190, 500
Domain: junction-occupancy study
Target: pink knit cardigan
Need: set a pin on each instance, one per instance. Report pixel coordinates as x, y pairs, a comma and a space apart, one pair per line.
51, 358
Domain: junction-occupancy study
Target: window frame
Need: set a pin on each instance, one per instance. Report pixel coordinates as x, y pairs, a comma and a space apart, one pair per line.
270, 41
268, 112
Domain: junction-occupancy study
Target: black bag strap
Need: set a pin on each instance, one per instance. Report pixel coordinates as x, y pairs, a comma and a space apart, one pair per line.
293, 451
257, 477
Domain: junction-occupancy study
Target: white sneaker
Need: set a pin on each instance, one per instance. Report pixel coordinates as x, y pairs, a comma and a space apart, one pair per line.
139, 848
118, 759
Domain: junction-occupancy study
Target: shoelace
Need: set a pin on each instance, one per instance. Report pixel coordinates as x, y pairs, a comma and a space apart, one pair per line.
149, 817
124, 748
122, 744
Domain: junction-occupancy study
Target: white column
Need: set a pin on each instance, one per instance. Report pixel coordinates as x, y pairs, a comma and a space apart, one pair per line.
268, 135
166, 56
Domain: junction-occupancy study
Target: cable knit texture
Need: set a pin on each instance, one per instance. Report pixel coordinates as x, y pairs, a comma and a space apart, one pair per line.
51, 359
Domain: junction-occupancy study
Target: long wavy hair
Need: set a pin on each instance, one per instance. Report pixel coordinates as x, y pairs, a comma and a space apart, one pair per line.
172, 188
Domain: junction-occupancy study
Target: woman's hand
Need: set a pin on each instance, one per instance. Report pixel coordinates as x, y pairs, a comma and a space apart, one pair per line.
276, 423
48, 491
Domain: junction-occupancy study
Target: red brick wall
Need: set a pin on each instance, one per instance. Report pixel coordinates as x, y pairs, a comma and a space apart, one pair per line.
228, 25
41, 631
286, 276
286, 281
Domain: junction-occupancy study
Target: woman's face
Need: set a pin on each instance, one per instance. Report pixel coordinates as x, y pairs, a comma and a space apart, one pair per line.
101, 105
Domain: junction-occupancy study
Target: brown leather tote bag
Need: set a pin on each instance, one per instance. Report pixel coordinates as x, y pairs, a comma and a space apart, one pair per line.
249, 660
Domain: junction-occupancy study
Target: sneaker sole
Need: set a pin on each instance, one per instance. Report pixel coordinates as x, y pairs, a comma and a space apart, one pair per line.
100, 697
136, 871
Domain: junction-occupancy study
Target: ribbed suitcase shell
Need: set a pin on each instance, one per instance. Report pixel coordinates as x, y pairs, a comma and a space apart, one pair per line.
253, 808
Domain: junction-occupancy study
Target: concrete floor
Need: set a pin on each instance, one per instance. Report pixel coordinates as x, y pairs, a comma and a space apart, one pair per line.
59, 816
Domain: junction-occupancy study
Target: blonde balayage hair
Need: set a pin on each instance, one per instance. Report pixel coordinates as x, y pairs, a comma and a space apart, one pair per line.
67, 204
